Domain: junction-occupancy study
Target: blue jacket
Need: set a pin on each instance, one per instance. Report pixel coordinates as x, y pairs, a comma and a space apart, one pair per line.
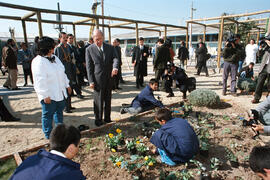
146, 99
178, 139
47, 166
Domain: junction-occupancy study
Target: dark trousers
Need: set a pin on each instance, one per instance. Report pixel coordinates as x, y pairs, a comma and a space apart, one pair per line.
159, 73
68, 102
102, 101
26, 73
76, 88
116, 80
202, 66
229, 68
4, 113
261, 79
120, 74
168, 86
139, 79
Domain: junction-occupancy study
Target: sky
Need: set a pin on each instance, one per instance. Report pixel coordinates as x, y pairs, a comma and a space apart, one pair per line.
170, 12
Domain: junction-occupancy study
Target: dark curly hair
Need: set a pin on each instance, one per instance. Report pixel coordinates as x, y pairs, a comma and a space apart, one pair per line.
45, 44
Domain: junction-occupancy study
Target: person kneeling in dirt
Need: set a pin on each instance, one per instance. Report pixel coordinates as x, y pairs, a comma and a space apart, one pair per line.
56, 164
259, 161
247, 71
145, 100
175, 141
183, 82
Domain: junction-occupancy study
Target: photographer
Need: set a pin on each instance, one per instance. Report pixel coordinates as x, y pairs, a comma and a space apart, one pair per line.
264, 72
232, 53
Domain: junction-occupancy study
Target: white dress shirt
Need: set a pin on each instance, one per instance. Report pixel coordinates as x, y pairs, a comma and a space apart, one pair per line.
49, 78
58, 153
251, 51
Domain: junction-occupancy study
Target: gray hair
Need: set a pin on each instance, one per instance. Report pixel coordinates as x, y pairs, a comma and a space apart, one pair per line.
97, 31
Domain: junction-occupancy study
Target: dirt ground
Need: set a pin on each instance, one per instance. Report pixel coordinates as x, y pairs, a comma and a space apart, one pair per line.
16, 136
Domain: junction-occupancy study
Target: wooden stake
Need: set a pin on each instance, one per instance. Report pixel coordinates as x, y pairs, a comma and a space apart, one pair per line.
137, 34
74, 34
24, 31
110, 36
39, 24
220, 38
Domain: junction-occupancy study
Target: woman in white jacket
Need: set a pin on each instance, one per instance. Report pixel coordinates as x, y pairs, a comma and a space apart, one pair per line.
251, 51
50, 83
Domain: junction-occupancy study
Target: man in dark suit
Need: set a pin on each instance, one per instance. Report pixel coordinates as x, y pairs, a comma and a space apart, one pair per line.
139, 61
161, 59
101, 65
117, 78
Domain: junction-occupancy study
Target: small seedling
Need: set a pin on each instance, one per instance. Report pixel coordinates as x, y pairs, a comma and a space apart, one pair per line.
215, 163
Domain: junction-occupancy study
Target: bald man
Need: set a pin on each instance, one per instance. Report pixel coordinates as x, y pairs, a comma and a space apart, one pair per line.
101, 65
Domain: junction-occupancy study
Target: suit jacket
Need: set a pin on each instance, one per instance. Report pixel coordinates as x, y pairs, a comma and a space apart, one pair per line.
264, 61
99, 67
141, 61
9, 58
162, 57
48, 166
119, 54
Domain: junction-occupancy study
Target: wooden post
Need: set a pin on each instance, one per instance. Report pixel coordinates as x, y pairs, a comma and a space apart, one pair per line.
165, 33
24, 31
74, 34
258, 35
159, 33
97, 23
39, 24
204, 32
236, 28
110, 36
220, 38
137, 34
187, 35
248, 37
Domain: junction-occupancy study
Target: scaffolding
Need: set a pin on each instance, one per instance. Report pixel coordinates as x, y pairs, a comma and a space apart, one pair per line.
220, 25
123, 22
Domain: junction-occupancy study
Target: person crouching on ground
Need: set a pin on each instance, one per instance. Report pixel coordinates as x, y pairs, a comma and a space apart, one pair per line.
50, 83
259, 161
175, 141
145, 100
247, 71
56, 164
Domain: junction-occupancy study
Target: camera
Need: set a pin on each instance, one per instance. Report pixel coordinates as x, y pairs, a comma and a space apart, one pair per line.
254, 120
263, 43
230, 40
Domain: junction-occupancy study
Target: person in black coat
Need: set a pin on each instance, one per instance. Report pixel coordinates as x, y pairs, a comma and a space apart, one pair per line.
81, 63
139, 60
183, 54
117, 77
162, 57
202, 58
5, 114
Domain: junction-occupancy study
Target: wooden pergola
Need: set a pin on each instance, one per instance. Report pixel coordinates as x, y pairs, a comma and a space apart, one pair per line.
123, 22
220, 25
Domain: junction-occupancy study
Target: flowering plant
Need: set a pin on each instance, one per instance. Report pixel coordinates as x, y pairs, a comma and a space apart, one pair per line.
149, 161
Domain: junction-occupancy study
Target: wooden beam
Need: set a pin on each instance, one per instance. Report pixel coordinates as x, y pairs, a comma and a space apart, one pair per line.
82, 21
198, 23
97, 23
236, 28
165, 32
258, 36
187, 35
220, 38
232, 20
83, 15
110, 35
17, 158
204, 34
155, 26
232, 16
74, 34
28, 15
159, 34
120, 24
39, 21
137, 34
24, 31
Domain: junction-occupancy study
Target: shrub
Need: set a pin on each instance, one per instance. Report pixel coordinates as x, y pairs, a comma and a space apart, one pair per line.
204, 97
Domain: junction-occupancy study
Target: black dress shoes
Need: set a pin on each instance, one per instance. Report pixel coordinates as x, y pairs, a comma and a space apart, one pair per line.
68, 111
80, 96
108, 121
98, 123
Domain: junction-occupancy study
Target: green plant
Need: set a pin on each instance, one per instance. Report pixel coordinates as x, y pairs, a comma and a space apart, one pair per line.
199, 165
246, 84
204, 97
141, 148
111, 141
185, 174
231, 156
131, 144
215, 163
226, 131
149, 161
